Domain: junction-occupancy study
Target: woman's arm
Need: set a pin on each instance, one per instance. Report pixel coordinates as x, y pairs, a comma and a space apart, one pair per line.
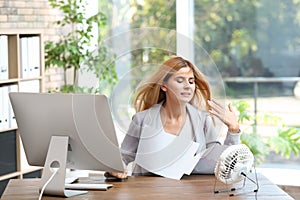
129, 146
131, 141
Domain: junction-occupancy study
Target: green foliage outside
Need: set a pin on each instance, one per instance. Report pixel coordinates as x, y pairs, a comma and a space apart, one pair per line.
143, 14
237, 33
285, 142
72, 49
155, 13
243, 37
250, 38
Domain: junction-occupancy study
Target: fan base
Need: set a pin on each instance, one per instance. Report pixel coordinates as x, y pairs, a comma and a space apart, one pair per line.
228, 190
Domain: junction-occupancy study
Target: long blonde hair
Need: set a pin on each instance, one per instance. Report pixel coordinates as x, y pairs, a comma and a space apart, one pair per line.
149, 92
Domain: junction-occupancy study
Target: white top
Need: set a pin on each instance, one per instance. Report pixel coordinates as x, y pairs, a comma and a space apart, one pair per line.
186, 129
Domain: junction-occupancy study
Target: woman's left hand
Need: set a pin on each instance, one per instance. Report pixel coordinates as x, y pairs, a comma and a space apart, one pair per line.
225, 114
119, 175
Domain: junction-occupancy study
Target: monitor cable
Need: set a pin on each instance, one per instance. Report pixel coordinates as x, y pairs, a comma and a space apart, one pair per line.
55, 170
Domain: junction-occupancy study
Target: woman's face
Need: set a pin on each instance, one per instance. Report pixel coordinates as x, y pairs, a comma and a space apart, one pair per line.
180, 86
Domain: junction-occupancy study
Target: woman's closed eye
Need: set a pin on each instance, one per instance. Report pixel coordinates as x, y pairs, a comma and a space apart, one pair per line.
191, 81
181, 80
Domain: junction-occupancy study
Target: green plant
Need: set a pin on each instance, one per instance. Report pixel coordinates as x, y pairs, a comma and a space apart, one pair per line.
72, 50
284, 142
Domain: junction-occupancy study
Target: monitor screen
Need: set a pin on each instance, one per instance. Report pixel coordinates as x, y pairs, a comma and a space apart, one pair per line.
85, 119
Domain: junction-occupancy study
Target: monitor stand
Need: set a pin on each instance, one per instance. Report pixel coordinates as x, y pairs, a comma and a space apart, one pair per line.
57, 160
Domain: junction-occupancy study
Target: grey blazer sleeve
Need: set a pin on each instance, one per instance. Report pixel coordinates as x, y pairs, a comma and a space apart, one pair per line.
214, 148
131, 141
210, 132
232, 139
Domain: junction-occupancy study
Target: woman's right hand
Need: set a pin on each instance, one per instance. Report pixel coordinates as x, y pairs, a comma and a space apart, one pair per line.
226, 114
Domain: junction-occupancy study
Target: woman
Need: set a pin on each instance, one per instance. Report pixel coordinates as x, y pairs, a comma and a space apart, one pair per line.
181, 96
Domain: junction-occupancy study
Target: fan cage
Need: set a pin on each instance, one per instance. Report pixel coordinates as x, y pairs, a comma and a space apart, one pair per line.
234, 161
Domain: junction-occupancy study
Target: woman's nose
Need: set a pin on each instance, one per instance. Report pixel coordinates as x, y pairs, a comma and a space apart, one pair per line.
187, 84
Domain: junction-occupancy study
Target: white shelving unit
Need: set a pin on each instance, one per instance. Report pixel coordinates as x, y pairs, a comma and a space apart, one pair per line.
21, 70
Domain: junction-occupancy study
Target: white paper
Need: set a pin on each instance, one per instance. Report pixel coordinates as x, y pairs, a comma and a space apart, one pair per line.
184, 165
165, 154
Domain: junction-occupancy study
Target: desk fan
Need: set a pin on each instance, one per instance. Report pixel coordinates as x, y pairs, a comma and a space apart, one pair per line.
234, 164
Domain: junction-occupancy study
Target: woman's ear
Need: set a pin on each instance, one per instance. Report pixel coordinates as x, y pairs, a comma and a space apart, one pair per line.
164, 88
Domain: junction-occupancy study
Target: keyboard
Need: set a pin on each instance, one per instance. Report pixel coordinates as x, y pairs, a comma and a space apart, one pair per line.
88, 186
70, 180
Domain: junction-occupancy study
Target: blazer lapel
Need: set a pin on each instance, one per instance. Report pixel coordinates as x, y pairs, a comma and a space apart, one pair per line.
197, 126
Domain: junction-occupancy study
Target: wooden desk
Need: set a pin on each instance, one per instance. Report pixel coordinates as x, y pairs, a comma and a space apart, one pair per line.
148, 187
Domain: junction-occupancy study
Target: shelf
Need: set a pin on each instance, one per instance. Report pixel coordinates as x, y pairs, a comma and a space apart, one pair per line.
23, 61
21, 32
9, 81
10, 175
20, 173
8, 129
17, 80
31, 79
31, 169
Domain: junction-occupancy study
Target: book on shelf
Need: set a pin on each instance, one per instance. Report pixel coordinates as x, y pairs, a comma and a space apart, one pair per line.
4, 124
30, 56
7, 117
3, 57
11, 115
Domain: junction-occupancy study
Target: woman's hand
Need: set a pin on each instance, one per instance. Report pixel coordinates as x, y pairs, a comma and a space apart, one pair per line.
120, 175
226, 115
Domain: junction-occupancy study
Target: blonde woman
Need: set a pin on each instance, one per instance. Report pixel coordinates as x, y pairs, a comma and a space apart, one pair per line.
176, 100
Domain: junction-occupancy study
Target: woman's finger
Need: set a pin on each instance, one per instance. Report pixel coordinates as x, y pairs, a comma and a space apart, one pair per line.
216, 106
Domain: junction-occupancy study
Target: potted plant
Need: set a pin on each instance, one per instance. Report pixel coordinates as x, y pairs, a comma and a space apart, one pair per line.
72, 52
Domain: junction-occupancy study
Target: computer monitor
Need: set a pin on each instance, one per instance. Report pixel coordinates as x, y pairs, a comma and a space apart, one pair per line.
62, 131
